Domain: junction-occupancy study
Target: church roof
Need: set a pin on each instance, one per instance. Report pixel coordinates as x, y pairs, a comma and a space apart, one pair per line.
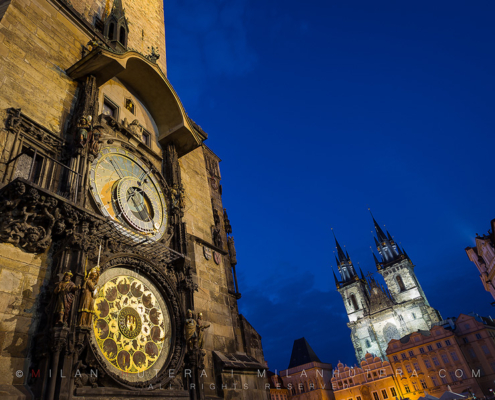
302, 353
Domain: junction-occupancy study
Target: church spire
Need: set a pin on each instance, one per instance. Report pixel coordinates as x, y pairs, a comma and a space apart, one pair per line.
344, 263
336, 280
385, 245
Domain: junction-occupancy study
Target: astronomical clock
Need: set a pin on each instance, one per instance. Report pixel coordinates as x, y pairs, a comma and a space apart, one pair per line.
128, 192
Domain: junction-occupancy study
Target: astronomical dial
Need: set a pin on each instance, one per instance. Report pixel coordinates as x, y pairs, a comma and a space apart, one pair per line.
127, 191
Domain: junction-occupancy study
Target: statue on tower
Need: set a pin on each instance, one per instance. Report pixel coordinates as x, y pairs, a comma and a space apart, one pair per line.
88, 294
64, 290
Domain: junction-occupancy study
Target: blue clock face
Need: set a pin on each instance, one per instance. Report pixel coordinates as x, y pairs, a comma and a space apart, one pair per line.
128, 192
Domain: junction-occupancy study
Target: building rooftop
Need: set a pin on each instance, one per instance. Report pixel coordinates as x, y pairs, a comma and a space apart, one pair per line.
302, 353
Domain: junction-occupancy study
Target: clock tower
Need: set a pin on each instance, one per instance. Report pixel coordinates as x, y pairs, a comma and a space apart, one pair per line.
117, 255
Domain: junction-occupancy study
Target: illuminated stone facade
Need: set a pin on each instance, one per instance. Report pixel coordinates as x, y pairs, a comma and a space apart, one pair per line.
379, 314
117, 261
483, 256
373, 379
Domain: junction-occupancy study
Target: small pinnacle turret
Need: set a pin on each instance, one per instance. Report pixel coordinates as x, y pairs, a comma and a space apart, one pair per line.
385, 245
344, 264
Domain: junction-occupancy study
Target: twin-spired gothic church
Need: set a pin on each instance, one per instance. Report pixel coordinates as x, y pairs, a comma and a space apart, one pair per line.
379, 314
117, 260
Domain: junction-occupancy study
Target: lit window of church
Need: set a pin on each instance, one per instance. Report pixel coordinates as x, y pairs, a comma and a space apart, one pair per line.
406, 387
375, 396
384, 394
439, 344
423, 384
393, 391
421, 350
396, 359
403, 355
411, 353
430, 348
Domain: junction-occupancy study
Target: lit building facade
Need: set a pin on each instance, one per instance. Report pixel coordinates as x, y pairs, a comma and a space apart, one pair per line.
379, 314
483, 257
430, 361
373, 380
278, 391
455, 355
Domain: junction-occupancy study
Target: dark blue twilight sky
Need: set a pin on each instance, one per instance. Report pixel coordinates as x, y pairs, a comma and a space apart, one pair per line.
322, 109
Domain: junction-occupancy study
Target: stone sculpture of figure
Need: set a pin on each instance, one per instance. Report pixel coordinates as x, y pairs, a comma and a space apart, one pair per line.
201, 327
83, 129
136, 128
231, 245
94, 139
64, 290
190, 331
217, 236
88, 295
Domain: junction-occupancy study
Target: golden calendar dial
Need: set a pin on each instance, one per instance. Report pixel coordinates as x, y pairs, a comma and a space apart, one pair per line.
132, 324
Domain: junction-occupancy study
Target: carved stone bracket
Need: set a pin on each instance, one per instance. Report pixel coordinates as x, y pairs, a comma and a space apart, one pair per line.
30, 217
17, 122
33, 218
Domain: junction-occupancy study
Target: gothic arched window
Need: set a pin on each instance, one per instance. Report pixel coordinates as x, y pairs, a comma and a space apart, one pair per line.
400, 282
122, 35
111, 31
354, 302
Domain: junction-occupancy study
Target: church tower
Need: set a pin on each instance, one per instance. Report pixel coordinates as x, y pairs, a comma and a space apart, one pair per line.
351, 287
377, 313
117, 260
396, 268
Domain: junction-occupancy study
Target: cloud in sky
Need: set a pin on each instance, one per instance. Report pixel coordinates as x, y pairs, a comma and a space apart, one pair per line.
206, 40
285, 305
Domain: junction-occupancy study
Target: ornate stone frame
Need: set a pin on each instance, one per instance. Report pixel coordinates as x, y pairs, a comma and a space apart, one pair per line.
162, 283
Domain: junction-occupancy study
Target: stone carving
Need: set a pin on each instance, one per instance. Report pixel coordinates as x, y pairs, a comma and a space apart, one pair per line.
64, 291
83, 129
84, 114
30, 219
154, 55
87, 300
191, 331
17, 122
216, 235
226, 222
232, 252
136, 128
201, 327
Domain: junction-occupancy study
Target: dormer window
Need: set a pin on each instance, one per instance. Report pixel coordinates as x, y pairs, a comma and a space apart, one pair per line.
116, 28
